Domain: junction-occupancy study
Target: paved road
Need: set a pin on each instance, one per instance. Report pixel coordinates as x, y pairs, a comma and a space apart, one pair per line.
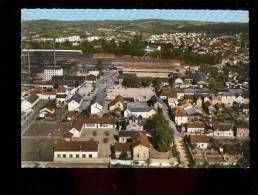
25, 124
177, 135
107, 80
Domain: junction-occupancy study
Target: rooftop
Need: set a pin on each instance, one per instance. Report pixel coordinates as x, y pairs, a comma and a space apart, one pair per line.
199, 139
87, 146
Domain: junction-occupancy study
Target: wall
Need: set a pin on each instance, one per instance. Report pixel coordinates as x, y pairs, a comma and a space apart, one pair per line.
73, 106
142, 151
96, 108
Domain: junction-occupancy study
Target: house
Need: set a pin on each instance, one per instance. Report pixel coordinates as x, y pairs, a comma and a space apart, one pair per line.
245, 108
180, 115
78, 125
140, 147
92, 123
29, 103
100, 123
94, 72
97, 104
156, 102
75, 102
49, 108
196, 127
164, 95
199, 141
71, 116
242, 130
117, 103
192, 112
139, 109
172, 99
223, 130
228, 98
123, 147
60, 99
178, 82
90, 78
134, 126
75, 150
125, 136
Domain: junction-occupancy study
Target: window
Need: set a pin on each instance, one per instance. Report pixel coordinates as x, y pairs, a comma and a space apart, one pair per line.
77, 155
70, 156
90, 155
64, 155
138, 155
83, 155
58, 155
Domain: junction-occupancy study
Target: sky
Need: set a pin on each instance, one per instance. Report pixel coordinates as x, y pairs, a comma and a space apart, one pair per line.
135, 14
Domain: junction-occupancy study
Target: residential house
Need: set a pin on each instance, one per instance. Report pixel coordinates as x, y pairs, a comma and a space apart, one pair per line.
180, 116
49, 108
117, 103
245, 108
156, 102
29, 103
134, 126
242, 130
196, 127
228, 98
199, 141
75, 102
178, 82
123, 147
75, 150
140, 147
172, 99
139, 109
71, 116
97, 104
90, 78
92, 123
125, 136
223, 130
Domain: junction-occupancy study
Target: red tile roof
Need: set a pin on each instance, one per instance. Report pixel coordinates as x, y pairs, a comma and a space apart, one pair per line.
119, 147
199, 139
62, 145
179, 112
117, 99
83, 120
102, 55
140, 139
196, 124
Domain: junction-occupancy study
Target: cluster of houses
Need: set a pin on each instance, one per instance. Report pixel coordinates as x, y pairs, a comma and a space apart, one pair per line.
188, 113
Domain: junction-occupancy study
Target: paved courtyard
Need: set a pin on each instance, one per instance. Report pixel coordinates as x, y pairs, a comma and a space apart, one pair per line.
48, 128
105, 137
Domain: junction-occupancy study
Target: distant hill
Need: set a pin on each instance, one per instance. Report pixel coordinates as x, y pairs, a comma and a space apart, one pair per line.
154, 26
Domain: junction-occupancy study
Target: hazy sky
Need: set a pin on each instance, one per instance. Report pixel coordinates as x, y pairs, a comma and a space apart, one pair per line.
134, 14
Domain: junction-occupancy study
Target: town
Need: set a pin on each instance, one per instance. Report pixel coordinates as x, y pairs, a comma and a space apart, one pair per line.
117, 97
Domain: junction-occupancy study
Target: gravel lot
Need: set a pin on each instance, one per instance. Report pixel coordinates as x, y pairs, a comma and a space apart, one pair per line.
44, 128
37, 149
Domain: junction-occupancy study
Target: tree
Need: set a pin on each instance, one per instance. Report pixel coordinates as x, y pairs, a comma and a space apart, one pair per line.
55, 86
123, 155
99, 65
161, 132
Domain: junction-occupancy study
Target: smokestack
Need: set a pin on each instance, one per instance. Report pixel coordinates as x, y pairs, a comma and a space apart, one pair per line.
28, 55
54, 52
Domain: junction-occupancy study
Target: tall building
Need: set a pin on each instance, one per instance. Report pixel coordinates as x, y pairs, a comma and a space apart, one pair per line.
52, 71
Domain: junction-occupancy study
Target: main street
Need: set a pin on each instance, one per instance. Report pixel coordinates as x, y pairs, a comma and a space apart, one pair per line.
172, 125
107, 80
